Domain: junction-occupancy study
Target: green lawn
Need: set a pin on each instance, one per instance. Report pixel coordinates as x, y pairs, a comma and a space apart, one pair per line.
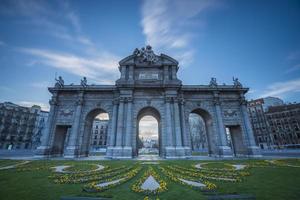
266, 181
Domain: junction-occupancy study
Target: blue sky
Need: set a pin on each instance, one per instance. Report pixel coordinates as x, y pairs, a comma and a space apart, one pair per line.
256, 41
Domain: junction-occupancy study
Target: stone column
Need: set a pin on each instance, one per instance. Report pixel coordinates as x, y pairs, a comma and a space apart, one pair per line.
112, 139
168, 122
174, 72
131, 74
177, 124
252, 148
166, 73
128, 123
224, 149
72, 148
183, 125
123, 72
44, 148
127, 150
120, 123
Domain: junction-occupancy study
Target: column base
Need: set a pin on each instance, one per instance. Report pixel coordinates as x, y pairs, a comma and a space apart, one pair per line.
71, 152
177, 152
119, 152
42, 152
254, 151
225, 151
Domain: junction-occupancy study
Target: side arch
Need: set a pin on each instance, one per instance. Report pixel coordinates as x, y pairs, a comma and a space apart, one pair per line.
87, 128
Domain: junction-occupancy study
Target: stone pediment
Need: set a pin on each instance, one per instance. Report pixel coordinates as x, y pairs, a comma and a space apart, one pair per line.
146, 57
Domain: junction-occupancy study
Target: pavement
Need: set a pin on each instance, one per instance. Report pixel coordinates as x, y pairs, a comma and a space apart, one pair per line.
29, 155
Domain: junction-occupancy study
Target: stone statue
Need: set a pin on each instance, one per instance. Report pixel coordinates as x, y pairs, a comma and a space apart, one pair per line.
213, 82
236, 83
146, 54
84, 82
59, 82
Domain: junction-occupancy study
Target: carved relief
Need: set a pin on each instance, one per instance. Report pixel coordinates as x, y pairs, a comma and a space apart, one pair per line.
66, 112
230, 113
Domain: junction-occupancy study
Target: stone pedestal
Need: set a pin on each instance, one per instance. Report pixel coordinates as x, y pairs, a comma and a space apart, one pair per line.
119, 152
71, 152
225, 151
177, 152
254, 151
42, 152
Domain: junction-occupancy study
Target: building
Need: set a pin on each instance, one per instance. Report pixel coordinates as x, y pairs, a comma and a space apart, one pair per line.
284, 124
21, 127
148, 85
260, 126
99, 135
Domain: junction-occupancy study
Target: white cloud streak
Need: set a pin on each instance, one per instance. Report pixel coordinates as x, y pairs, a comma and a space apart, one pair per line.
102, 69
281, 89
168, 25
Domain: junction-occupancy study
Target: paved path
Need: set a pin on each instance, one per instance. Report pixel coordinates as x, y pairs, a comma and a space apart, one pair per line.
109, 183
14, 166
192, 183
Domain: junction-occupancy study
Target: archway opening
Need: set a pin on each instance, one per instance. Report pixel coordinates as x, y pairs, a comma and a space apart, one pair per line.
148, 132
95, 133
200, 124
148, 143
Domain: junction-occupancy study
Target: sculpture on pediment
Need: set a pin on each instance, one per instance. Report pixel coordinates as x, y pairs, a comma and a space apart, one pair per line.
84, 82
146, 54
59, 82
236, 83
213, 82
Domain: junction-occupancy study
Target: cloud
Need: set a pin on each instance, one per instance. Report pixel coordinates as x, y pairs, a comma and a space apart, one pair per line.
281, 89
294, 55
2, 43
168, 25
43, 106
293, 68
101, 68
57, 19
42, 84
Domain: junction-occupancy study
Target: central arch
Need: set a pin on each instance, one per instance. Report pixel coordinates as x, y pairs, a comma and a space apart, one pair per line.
149, 111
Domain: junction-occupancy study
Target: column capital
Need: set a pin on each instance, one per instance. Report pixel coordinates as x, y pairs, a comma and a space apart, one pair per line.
216, 101
79, 102
53, 102
129, 99
168, 99
122, 99
182, 101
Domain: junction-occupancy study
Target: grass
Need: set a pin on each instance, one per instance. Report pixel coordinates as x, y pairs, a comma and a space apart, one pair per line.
271, 182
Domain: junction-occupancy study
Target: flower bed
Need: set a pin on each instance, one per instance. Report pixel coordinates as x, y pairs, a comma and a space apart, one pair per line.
205, 175
92, 187
175, 178
136, 187
84, 177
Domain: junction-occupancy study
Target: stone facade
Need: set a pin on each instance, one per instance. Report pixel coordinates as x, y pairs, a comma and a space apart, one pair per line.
21, 127
284, 124
99, 134
257, 111
148, 85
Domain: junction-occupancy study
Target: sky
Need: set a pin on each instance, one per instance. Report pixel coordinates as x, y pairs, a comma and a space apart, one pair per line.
257, 41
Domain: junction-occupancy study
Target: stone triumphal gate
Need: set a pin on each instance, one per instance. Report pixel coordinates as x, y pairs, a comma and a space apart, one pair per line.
148, 85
